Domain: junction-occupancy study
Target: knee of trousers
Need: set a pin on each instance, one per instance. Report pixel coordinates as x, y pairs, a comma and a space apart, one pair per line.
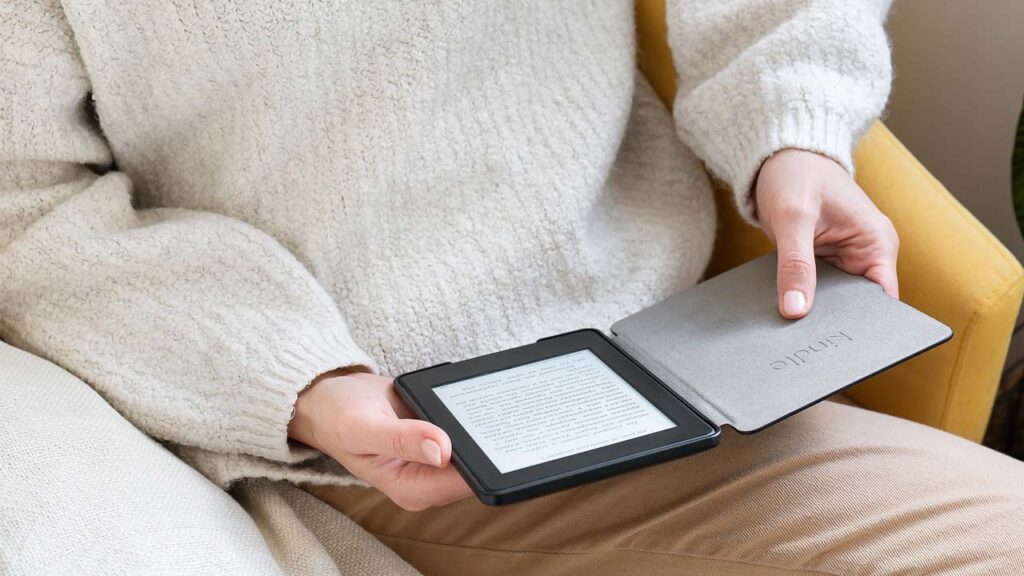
853, 486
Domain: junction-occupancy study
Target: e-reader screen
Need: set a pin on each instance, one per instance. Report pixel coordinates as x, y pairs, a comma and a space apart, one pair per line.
549, 409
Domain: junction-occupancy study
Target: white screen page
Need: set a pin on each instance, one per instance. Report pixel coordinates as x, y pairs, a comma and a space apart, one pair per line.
549, 409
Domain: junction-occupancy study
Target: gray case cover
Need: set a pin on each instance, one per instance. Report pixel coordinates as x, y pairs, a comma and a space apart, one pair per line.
723, 347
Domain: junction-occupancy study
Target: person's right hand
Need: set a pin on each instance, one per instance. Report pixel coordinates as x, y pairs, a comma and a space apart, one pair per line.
360, 421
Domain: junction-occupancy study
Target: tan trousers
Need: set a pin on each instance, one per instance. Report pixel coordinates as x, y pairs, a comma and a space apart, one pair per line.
834, 490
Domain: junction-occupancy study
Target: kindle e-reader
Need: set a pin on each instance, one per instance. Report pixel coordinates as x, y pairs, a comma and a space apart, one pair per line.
581, 406
553, 414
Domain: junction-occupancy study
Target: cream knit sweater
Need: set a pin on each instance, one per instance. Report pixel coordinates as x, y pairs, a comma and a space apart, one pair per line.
203, 205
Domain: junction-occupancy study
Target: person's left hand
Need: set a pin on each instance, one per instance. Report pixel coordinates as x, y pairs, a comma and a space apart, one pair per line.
358, 419
809, 205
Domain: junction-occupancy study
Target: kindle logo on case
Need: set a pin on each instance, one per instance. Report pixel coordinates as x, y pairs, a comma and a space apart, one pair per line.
804, 355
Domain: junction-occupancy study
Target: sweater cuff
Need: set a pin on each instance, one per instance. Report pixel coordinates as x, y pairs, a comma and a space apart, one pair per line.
263, 425
736, 156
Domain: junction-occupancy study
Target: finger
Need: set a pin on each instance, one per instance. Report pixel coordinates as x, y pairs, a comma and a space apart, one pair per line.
795, 277
410, 485
884, 274
416, 487
883, 270
826, 251
409, 440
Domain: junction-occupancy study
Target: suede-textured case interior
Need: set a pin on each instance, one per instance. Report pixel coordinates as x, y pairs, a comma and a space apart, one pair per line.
724, 348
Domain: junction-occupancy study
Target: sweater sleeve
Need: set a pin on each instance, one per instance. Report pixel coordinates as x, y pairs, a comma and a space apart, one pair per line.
757, 77
198, 328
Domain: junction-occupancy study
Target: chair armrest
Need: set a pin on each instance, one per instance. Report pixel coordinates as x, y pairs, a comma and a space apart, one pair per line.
954, 269
950, 267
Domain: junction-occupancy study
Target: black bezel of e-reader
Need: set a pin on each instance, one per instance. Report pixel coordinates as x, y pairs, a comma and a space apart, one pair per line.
692, 432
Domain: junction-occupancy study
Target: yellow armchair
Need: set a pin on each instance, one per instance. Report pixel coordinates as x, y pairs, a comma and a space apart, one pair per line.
950, 266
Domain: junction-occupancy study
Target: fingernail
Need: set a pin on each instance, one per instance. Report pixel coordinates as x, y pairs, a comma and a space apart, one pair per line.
793, 302
432, 452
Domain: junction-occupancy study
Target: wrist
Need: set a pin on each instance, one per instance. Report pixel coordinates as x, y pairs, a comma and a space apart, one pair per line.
303, 425
301, 428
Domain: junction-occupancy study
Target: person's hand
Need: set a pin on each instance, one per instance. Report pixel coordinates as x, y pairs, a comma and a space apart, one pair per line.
360, 421
809, 205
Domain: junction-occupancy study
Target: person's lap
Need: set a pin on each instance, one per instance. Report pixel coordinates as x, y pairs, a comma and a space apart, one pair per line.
835, 490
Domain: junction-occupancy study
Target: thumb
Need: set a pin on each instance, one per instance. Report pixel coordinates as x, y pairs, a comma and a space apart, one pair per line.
406, 439
795, 277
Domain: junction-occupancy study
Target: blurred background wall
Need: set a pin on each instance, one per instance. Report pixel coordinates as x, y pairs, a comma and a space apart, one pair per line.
956, 97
